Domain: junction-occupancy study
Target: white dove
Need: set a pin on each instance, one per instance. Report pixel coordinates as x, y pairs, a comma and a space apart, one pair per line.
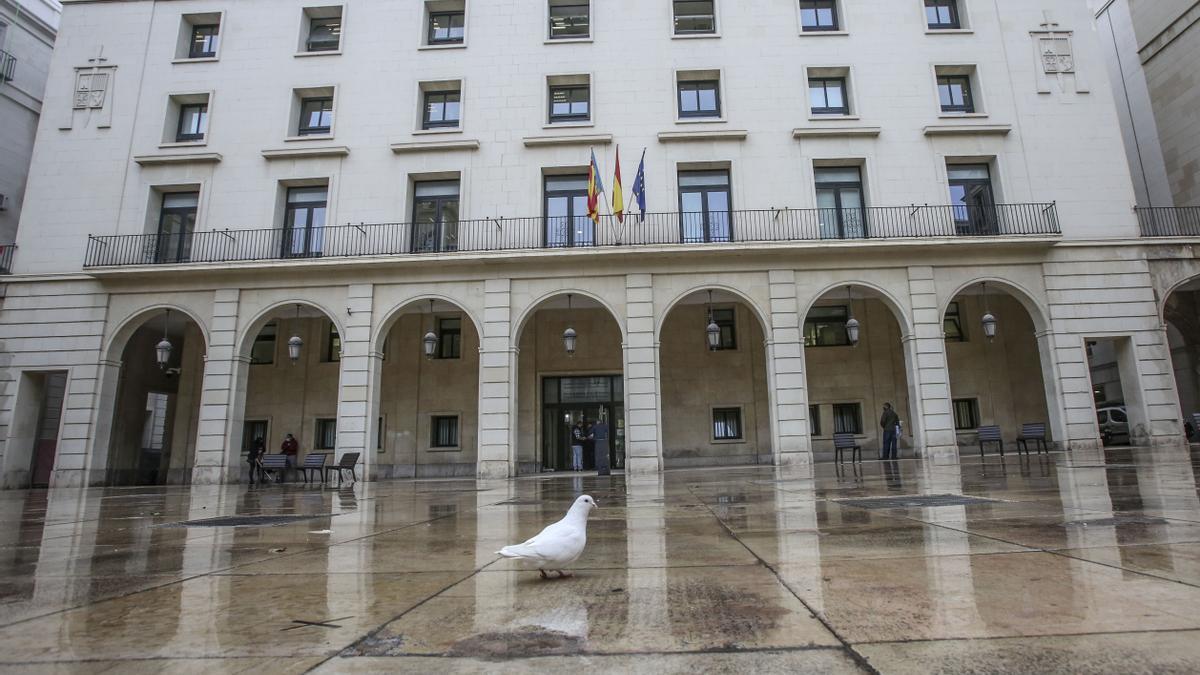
557, 546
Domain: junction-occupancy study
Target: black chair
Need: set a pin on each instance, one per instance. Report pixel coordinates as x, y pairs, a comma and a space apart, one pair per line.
1035, 432
275, 463
846, 442
314, 462
348, 463
990, 434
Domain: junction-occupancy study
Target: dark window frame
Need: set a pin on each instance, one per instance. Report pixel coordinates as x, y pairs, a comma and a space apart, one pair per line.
188, 137
953, 319
180, 250
844, 109
676, 16
706, 212
324, 45
698, 86
248, 434
726, 320
444, 438
567, 34
966, 414
198, 39
812, 338
313, 234
966, 88
426, 119
303, 127
572, 219
431, 31
322, 430
838, 188
955, 19
272, 338
721, 424
445, 238
817, 5
840, 417
570, 117
977, 212
333, 344
814, 419
449, 339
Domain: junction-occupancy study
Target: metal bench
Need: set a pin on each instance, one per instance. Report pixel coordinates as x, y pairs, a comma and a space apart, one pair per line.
314, 462
1035, 432
348, 462
990, 434
275, 463
846, 442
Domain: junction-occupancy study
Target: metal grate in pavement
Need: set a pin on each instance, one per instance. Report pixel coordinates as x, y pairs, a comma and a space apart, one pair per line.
915, 501
247, 521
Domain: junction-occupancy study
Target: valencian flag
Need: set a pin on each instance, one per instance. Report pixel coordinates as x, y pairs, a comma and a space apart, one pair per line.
595, 189
639, 188
618, 195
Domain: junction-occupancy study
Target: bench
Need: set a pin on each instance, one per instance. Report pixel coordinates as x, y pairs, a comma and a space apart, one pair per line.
846, 442
314, 462
348, 463
1035, 432
990, 434
275, 463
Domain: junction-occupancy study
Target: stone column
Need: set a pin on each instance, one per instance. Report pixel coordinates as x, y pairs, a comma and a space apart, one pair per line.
788, 388
81, 457
497, 450
218, 440
1080, 430
357, 383
928, 371
643, 411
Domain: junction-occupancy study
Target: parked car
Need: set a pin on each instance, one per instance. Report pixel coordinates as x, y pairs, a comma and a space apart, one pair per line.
1114, 424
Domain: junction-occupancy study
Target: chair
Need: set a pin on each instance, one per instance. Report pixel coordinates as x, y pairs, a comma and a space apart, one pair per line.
275, 463
314, 462
990, 434
846, 442
1035, 432
348, 463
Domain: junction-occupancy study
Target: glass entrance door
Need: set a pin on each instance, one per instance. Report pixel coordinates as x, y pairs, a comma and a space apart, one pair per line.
568, 400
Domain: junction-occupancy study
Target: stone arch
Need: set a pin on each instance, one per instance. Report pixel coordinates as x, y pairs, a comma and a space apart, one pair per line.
1037, 311
888, 299
126, 327
743, 297
245, 339
528, 312
392, 315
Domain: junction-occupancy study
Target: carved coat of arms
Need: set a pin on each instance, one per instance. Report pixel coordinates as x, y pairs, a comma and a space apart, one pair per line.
90, 89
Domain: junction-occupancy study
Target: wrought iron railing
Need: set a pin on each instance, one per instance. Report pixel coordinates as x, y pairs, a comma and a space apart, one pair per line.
513, 234
1169, 221
6, 258
8, 66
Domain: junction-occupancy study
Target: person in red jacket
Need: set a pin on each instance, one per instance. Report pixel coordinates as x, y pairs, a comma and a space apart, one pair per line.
290, 448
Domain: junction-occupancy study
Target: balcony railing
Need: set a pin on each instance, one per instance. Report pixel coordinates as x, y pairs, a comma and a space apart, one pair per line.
1169, 221
8, 66
6, 258
514, 234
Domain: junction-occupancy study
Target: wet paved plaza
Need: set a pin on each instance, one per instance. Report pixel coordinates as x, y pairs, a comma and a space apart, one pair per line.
1082, 563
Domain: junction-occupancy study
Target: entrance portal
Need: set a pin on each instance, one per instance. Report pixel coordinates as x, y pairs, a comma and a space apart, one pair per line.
568, 400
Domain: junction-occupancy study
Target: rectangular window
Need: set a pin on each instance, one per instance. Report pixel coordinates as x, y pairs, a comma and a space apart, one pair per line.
176, 224
827, 96
304, 221
447, 28
952, 325
972, 200
442, 109
380, 431
316, 116
954, 94
818, 15
840, 202
324, 34
326, 437
204, 41
567, 222
193, 122
435, 216
253, 430
726, 320
263, 351
449, 338
847, 418
570, 103
966, 414
814, 419
826, 327
727, 424
705, 210
333, 344
699, 98
569, 19
942, 14
694, 17
444, 431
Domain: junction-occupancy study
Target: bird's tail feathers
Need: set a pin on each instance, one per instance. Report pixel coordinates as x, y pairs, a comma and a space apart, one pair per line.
515, 551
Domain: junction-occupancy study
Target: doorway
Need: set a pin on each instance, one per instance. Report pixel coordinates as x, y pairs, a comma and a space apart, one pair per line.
568, 400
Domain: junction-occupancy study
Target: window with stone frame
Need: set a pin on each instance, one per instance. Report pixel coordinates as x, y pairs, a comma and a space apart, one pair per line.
966, 414
727, 424
847, 418
952, 325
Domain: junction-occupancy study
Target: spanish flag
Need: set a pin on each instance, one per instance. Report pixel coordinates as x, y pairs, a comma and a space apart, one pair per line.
595, 189
618, 195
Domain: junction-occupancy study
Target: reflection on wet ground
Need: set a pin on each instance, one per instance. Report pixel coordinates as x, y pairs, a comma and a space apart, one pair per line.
1087, 562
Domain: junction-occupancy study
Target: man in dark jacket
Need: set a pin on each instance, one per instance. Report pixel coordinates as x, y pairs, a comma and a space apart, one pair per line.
290, 449
254, 458
890, 423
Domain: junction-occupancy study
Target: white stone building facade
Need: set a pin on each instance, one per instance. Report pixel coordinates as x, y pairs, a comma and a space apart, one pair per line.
359, 175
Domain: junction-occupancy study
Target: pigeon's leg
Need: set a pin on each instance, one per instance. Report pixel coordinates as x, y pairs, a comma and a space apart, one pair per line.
543, 573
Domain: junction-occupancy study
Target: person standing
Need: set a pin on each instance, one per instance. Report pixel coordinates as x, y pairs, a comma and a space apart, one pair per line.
254, 458
577, 437
890, 423
599, 437
290, 449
